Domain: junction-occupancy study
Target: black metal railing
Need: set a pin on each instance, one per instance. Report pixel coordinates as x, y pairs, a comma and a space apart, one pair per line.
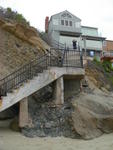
68, 57
59, 58
23, 74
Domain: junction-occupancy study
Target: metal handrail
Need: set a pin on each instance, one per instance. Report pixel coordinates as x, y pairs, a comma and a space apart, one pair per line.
39, 57
28, 71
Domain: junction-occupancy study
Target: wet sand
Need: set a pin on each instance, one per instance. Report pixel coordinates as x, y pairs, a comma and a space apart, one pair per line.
10, 140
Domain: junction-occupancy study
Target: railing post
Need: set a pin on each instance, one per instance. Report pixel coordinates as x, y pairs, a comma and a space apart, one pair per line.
30, 75
67, 55
81, 60
4, 87
46, 61
65, 46
50, 58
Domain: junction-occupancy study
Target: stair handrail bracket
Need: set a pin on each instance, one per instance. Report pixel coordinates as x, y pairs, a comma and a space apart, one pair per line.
54, 57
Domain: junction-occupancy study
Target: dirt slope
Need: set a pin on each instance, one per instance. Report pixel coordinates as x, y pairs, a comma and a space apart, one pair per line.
19, 44
100, 78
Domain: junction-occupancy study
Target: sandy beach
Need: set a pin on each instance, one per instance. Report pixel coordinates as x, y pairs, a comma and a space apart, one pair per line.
10, 140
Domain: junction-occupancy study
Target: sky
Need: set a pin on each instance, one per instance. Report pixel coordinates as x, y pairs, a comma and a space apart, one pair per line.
95, 13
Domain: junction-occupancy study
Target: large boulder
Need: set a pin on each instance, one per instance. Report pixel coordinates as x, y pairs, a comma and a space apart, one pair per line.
93, 115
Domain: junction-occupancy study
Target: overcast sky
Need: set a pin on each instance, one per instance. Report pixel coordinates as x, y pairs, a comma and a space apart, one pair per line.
95, 13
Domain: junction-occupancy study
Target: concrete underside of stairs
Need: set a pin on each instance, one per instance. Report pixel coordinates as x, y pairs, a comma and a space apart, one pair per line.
38, 82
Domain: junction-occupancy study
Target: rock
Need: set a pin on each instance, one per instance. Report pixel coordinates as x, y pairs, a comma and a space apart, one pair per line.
48, 120
106, 125
104, 89
93, 115
48, 125
25, 33
97, 74
85, 124
43, 95
9, 27
2, 22
15, 125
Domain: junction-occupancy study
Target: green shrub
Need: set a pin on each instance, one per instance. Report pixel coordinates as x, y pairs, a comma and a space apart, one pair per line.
97, 60
107, 66
9, 10
111, 79
8, 13
19, 18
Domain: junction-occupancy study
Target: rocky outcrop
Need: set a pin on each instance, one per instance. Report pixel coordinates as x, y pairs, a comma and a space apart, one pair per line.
100, 78
93, 115
86, 115
49, 120
26, 33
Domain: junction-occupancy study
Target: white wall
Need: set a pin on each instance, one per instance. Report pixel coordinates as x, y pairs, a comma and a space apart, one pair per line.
89, 31
68, 40
93, 45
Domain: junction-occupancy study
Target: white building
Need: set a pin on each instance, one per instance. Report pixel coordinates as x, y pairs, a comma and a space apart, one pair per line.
65, 27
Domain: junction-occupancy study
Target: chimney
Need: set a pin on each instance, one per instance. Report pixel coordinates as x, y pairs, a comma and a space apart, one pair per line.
46, 24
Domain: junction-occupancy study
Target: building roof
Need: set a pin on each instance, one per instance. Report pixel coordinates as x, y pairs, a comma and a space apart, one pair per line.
109, 40
93, 37
89, 27
66, 11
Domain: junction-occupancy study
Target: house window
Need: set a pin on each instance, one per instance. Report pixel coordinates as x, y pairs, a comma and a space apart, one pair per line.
66, 22
70, 23
66, 15
104, 43
62, 22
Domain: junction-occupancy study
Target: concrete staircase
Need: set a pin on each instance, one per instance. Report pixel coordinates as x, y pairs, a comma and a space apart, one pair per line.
34, 76
38, 82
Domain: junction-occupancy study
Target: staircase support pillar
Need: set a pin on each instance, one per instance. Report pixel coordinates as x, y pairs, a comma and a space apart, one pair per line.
23, 113
59, 91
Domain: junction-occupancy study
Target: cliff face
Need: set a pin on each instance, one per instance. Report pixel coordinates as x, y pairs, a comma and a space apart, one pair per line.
101, 78
19, 44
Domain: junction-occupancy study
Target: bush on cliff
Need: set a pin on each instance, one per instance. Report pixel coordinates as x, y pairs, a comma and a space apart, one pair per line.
12, 15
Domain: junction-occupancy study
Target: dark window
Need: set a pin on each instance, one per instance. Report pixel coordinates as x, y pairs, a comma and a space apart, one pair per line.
104, 43
66, 15
69, 16
66, 22
62, 22
70, 23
